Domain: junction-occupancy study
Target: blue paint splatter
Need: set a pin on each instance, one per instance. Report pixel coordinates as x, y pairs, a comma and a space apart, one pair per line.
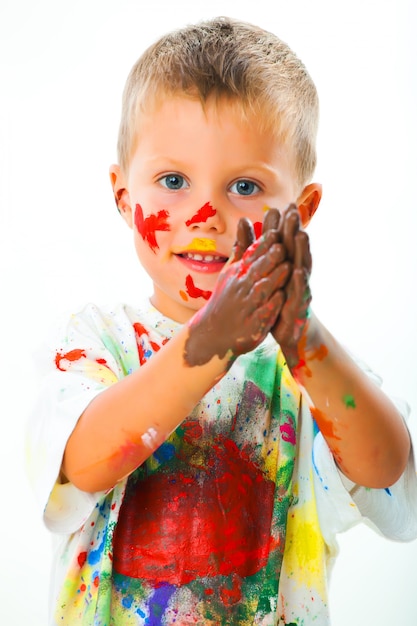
165, 452
158, 604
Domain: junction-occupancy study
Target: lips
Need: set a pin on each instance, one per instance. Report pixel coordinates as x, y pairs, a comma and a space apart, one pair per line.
202, 261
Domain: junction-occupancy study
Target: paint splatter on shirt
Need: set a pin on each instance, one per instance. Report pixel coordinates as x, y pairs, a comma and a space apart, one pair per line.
231, 521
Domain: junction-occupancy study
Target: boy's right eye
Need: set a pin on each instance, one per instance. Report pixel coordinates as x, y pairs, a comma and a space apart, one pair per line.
173, 181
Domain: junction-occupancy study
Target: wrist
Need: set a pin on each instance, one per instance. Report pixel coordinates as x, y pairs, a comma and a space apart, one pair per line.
202, 344
310, 347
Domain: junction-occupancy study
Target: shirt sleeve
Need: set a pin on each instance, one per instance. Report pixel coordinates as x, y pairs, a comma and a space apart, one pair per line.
342, 503
85, 359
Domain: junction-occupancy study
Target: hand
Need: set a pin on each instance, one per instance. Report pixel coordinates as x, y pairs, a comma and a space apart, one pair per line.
246, 299
291, 321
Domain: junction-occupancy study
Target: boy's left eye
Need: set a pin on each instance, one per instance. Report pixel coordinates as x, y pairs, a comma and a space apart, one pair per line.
173, 181
244, 187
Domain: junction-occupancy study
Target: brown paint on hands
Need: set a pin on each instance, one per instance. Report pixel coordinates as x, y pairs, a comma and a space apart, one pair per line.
289, 327
245, 237
245, 302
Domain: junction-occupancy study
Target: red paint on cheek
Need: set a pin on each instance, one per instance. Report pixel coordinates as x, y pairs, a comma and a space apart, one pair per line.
148, 226
202, 215
72, 355
195, 292
257, 227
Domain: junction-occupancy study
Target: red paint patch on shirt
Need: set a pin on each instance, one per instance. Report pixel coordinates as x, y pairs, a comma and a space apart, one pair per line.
141, 331
197, 521
202, 215
82, 557
148, 226
72, 355
288, 431
195, 292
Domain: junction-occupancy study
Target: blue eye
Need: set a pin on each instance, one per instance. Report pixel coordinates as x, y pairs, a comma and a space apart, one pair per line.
244, 187
173, 181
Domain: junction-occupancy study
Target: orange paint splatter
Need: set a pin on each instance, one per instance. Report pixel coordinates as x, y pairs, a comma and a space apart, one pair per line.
183, 295
306, 355
72, 355
324, 423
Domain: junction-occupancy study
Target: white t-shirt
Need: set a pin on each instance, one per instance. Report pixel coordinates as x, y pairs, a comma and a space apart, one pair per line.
233, 520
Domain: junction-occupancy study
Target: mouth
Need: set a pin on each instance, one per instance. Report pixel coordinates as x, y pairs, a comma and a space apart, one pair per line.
205, 262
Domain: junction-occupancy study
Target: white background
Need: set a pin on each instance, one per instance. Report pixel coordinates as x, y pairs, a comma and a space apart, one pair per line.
63, 66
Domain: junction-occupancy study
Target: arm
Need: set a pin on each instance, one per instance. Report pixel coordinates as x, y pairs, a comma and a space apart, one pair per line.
127, 422
365, 432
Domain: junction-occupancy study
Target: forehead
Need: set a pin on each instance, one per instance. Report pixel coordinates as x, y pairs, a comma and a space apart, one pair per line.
191, 137
219, 112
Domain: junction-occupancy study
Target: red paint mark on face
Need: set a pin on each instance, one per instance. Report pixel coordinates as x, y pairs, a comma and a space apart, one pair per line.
202, 215
173, 528
148, 226
72, 355
257, 227
195, 292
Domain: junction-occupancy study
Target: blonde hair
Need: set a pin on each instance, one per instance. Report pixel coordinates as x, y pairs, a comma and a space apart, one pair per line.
227, 60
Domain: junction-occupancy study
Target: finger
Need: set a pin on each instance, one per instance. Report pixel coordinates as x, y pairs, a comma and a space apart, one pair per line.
264, 264
280, 275
259, 248
245, 237
263, 289
290, 226
267, 313
302, 254
271, 220
295, 309
298, 294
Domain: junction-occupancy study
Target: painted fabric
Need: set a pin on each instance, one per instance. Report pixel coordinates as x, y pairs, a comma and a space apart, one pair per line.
231, 521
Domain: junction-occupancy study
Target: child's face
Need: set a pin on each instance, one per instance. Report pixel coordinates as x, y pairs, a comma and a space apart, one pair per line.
192, 176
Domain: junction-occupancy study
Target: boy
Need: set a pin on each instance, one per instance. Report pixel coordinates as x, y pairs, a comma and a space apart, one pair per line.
208, 444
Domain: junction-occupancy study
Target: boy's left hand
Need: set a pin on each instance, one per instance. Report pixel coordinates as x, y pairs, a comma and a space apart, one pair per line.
292, 317
291, 321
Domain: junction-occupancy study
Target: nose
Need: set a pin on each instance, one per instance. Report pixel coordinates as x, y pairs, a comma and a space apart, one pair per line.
206, 218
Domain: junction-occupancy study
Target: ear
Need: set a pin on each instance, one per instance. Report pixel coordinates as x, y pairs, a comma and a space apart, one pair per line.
308, 202
121, 194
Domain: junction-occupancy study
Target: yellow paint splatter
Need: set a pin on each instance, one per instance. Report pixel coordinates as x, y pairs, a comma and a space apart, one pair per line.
201, 245
305, 549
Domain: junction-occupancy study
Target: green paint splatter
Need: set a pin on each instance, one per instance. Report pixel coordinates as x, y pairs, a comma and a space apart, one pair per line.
349, 401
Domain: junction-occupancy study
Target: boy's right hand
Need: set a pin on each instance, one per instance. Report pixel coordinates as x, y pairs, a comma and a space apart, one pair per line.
246, 300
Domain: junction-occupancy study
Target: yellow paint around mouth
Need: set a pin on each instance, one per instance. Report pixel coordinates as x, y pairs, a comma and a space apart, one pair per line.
201, 245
